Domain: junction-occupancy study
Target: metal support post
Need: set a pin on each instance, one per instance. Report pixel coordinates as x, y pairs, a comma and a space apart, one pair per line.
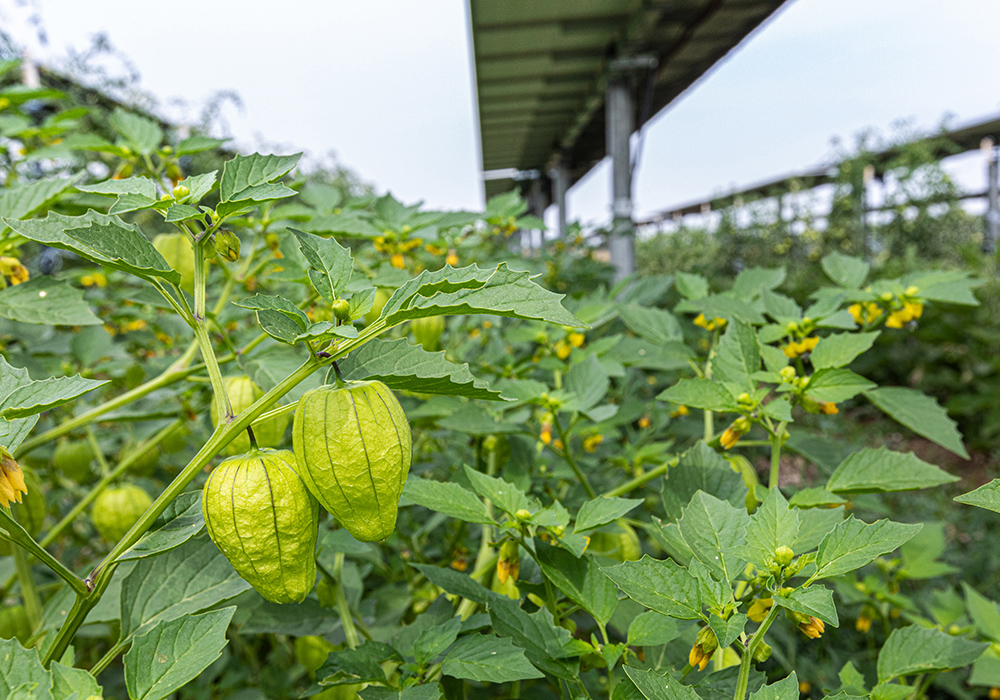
992, 196
560, 185
620, 124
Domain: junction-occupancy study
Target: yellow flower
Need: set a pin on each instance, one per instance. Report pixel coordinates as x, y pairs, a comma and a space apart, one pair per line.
911, 311
576, 339
863, 623
563, 349
759, 609
591, 442
869, 313
452, 258
705, 645
95, 280
558, 444
645, 422
994, 693
12, 268
680, 411
474, 333
397, 261
732, 434
11, 479
813, 629
508, 563
829, 408
700, 320
797, 349
805, 687
546, 434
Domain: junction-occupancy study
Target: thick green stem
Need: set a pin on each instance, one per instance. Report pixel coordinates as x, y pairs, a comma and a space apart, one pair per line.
100, 577
485, 556
105, 660
777, 438
746, 663
29, 593
200, 324
641, 481
19, 536
174, 373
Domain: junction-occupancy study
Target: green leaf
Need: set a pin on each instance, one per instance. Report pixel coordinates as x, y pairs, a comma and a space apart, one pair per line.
986, 496
589, 382
773, 525
846, 271
700, 469
184, 580
428, 691
737, 357
815, 600
505, 495
196, 144
868, 471
920, 555
21, 200
854, 543
715, 530
407, 367
448, 498
726, 631
13, 432
142, 135
921, 414
691, 286
67, 680
274, 303
549, 647
485, 658
19, 666
661, 585
330, 264
46, 301
136, 202
655, 685
243, 173
121, 248
816, 498
754, 281
471, 290
916, 649
174, 652
181, 521
601, 511
841, 349
42, 395
454, 582
360, 665
200, 185
706, 394
785, 689
837, 385
780, 307
656, 325
580, 579
130, 185
652, 629
983, 611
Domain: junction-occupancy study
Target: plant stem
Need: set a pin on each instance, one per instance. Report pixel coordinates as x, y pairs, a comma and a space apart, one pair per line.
776, 441
105, 660
174, 373
200, 325
570, 460
108, 478
32, 602
19, 536
96, 449
100, 577
346, 619
746, 663
641, 481
484, 555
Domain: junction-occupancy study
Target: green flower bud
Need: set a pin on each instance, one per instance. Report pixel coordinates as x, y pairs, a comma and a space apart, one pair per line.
784, 555
227, 244
341, 309
180, 192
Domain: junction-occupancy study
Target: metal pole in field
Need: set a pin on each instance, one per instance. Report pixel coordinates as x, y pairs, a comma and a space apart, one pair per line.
560, 185
620, 124
992, 195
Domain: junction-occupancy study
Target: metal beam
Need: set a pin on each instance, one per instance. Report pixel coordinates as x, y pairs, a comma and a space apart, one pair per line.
992, 195
560, 185
620, 123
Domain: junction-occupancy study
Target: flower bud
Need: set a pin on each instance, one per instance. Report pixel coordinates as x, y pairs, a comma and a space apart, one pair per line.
227, 245
341, 309
181, 191
522, 514
705, 645
762, 652
508, 563
784, 555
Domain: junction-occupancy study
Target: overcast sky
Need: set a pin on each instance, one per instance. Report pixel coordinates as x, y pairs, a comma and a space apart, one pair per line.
387, 85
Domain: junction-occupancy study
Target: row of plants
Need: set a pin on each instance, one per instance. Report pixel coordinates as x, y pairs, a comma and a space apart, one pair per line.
267, 440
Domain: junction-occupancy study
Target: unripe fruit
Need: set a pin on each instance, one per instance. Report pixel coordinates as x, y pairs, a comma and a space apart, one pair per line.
622, 545
116, 510
180, 192
242, 394
178, 250
353, 447
227, 244
341, 309
142, 465
261, 517
311, 652
381, 297
73, 459
14, 623
427, 331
